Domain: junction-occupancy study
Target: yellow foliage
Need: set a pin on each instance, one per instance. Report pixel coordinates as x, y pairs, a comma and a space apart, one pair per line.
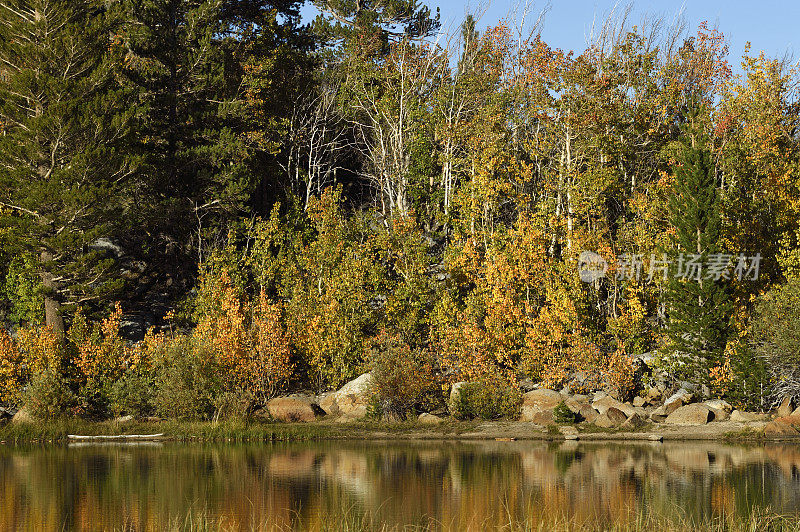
36, 350
102, 354
41, 349
12, 378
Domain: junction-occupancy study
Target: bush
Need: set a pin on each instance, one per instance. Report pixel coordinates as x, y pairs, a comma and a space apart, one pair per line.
186, 383
403, 378
12, 373
233, 404
48, 396
562, 413
487, 399
133, 393
775, 339
100, 358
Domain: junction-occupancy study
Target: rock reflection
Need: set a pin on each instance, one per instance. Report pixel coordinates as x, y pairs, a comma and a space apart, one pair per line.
456, 485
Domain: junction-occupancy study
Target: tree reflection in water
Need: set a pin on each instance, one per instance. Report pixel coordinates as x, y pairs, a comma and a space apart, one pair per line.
457, 485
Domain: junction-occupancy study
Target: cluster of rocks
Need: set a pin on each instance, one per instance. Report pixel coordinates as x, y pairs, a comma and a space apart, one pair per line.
786, 422
349, 403
603, 410
682, 407
539, 406
346, 404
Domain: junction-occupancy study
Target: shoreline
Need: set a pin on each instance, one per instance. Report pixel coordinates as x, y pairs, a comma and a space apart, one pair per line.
57, 432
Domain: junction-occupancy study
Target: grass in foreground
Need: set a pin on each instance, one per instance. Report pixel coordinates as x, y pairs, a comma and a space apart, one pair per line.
224, 431
760, 520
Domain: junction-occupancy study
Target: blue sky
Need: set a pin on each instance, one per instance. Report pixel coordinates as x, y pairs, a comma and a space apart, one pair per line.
770, 25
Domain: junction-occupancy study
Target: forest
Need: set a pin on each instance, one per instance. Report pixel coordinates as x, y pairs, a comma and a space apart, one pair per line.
205, 204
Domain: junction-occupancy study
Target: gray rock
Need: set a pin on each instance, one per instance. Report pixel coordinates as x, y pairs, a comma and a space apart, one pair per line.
694, 414
653, 395
607, 402
737, 416
535, 415
106, 244
22, 416
786, 407
634, 422
611, 418
681, 397
588, 413
575, 404
455, 394
359, 386
659, 414
639, 401
599, 395
783, 426
327, 401
719, 404
542, 398
350, 400
429, 419
721, 409
538, 405
294, 409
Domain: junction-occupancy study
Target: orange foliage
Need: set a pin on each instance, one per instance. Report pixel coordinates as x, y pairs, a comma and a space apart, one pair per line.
102, 354
248, 339
12, 378
267, 365
36, 350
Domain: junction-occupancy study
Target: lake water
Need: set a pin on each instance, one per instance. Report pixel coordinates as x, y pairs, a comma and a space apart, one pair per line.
456, 485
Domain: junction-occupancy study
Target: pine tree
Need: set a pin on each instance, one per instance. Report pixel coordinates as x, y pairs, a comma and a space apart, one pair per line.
188, 108
370, 25
190, 63
61, 170
699, 305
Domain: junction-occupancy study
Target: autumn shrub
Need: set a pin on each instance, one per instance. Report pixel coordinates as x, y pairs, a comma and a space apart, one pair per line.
234, 404
35, 351
12, 370
403, 377
619, 375
187, 379
488, 398
41, 350
246, 340
267, 366
48, 395
101, 359
330, 288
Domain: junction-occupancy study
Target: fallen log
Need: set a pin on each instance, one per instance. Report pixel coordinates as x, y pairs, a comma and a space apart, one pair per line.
114, 437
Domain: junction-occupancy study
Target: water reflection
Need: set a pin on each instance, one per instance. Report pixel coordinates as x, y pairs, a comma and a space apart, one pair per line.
459, 485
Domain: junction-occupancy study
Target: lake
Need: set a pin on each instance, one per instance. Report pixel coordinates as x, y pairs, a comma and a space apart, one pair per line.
456, 485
